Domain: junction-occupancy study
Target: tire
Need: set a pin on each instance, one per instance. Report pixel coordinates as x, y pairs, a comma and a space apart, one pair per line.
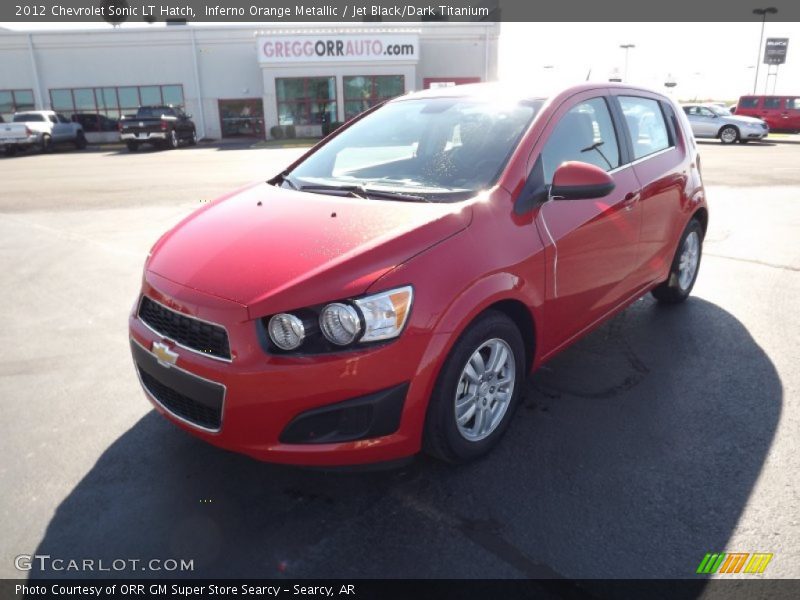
80, 141
193, 138
728, 134
44, 143
678, 285
444, 438
172, 140
132, 146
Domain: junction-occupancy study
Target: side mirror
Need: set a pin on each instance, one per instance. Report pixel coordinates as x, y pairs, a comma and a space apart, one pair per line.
575, 180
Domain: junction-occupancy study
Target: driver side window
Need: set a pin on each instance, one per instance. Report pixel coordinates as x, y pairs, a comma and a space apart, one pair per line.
586, 133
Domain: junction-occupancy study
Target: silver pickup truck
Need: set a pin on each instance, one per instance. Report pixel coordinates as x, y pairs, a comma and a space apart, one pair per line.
39, 129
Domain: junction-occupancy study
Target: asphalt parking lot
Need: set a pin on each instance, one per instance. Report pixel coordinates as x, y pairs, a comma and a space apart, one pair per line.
666, 434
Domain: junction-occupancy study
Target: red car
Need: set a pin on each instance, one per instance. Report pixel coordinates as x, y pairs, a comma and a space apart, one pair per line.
781, 113
392, 289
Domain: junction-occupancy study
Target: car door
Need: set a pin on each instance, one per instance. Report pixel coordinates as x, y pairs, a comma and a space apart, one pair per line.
56, 131
770, 110
659, 153
591, 245
791, 114
704, 122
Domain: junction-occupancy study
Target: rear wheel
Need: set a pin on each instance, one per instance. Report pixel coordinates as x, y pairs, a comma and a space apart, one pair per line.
80, 141
132, 146
172, 140
685, 266
477, 391
729, 134
193, 138
44, 143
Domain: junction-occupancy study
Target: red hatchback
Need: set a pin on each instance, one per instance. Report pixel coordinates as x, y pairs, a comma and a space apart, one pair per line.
392, 289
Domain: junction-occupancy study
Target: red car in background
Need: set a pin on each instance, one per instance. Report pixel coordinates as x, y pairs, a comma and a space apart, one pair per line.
782, 113
392, 289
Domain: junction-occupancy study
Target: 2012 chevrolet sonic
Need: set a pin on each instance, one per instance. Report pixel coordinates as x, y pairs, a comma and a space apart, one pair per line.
391, 290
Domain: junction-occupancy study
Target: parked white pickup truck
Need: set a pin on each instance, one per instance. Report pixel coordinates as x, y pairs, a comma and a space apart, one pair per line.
40, 129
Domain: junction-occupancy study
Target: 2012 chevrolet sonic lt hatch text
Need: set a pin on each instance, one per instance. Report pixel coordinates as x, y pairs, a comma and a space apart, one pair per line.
391, 290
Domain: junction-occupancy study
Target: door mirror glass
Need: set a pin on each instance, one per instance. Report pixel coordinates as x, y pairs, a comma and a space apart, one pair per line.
574, 180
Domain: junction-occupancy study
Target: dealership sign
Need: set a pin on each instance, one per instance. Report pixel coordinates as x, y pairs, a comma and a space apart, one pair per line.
775, 51
337, 48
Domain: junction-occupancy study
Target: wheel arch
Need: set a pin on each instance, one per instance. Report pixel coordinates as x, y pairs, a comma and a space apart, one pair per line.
738, 131
701, 214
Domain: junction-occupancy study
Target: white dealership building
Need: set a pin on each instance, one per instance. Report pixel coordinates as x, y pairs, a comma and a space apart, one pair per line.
252, 81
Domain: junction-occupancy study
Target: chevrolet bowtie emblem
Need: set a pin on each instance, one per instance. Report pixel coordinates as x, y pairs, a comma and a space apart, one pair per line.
164, 355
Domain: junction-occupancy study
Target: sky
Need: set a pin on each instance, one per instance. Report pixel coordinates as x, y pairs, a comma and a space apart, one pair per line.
706, 60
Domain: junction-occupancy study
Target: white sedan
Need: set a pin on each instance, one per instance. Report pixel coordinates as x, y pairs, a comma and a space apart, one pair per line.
712, 121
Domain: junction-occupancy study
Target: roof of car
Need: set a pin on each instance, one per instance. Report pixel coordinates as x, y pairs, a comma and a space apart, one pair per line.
511, 91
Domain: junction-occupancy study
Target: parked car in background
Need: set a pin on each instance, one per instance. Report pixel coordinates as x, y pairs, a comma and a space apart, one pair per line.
381, 297
781, 113
40, 129
93, 122
161, 126
713, 121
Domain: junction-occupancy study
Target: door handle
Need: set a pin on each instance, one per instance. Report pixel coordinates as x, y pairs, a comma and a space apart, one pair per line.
630, 200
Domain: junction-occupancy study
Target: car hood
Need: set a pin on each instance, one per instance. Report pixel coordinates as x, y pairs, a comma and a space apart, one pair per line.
275, 249
744, 120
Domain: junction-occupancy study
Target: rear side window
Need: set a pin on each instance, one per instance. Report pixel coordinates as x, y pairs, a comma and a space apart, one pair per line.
772, 102
748, 102
793, 104
586, 133
646, 124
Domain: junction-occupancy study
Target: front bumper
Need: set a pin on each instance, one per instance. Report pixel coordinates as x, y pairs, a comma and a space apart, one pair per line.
143, 137
287, 409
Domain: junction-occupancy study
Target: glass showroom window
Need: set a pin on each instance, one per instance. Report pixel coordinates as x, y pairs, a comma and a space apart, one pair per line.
306, 100
12, 101
364, 91
99, 109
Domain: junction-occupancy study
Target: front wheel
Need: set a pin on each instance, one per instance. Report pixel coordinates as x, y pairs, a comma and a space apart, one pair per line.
132, 146
477, 391
193, 138
729, 134
685, 266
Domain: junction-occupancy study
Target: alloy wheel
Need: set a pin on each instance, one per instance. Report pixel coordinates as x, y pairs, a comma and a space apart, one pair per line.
484, 390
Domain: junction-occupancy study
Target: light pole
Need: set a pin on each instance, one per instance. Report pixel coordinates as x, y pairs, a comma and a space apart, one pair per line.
762, 12
626, 47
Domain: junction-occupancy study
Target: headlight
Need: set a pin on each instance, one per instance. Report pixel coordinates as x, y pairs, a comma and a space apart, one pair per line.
331, 327
286, 331
340, 323
385, 314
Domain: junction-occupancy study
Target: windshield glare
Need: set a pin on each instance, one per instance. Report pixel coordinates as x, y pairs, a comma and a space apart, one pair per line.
439, 148
720, 111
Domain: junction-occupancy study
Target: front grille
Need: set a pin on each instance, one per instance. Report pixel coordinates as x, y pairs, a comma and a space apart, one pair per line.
196, 335
181, 405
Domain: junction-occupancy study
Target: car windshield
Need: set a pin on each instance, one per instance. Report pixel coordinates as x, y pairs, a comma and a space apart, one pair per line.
23, 117
720, 111
436, 149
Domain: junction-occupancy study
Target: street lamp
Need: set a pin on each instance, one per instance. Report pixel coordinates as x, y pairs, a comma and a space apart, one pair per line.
762, 12
626, 47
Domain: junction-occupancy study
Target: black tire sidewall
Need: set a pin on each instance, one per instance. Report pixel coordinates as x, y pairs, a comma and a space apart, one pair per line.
442, 436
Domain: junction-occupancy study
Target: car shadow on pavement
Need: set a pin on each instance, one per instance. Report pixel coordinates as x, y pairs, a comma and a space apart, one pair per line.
634, 454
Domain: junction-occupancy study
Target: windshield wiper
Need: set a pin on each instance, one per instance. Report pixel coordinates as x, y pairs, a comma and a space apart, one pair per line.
284, 178
359, 191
